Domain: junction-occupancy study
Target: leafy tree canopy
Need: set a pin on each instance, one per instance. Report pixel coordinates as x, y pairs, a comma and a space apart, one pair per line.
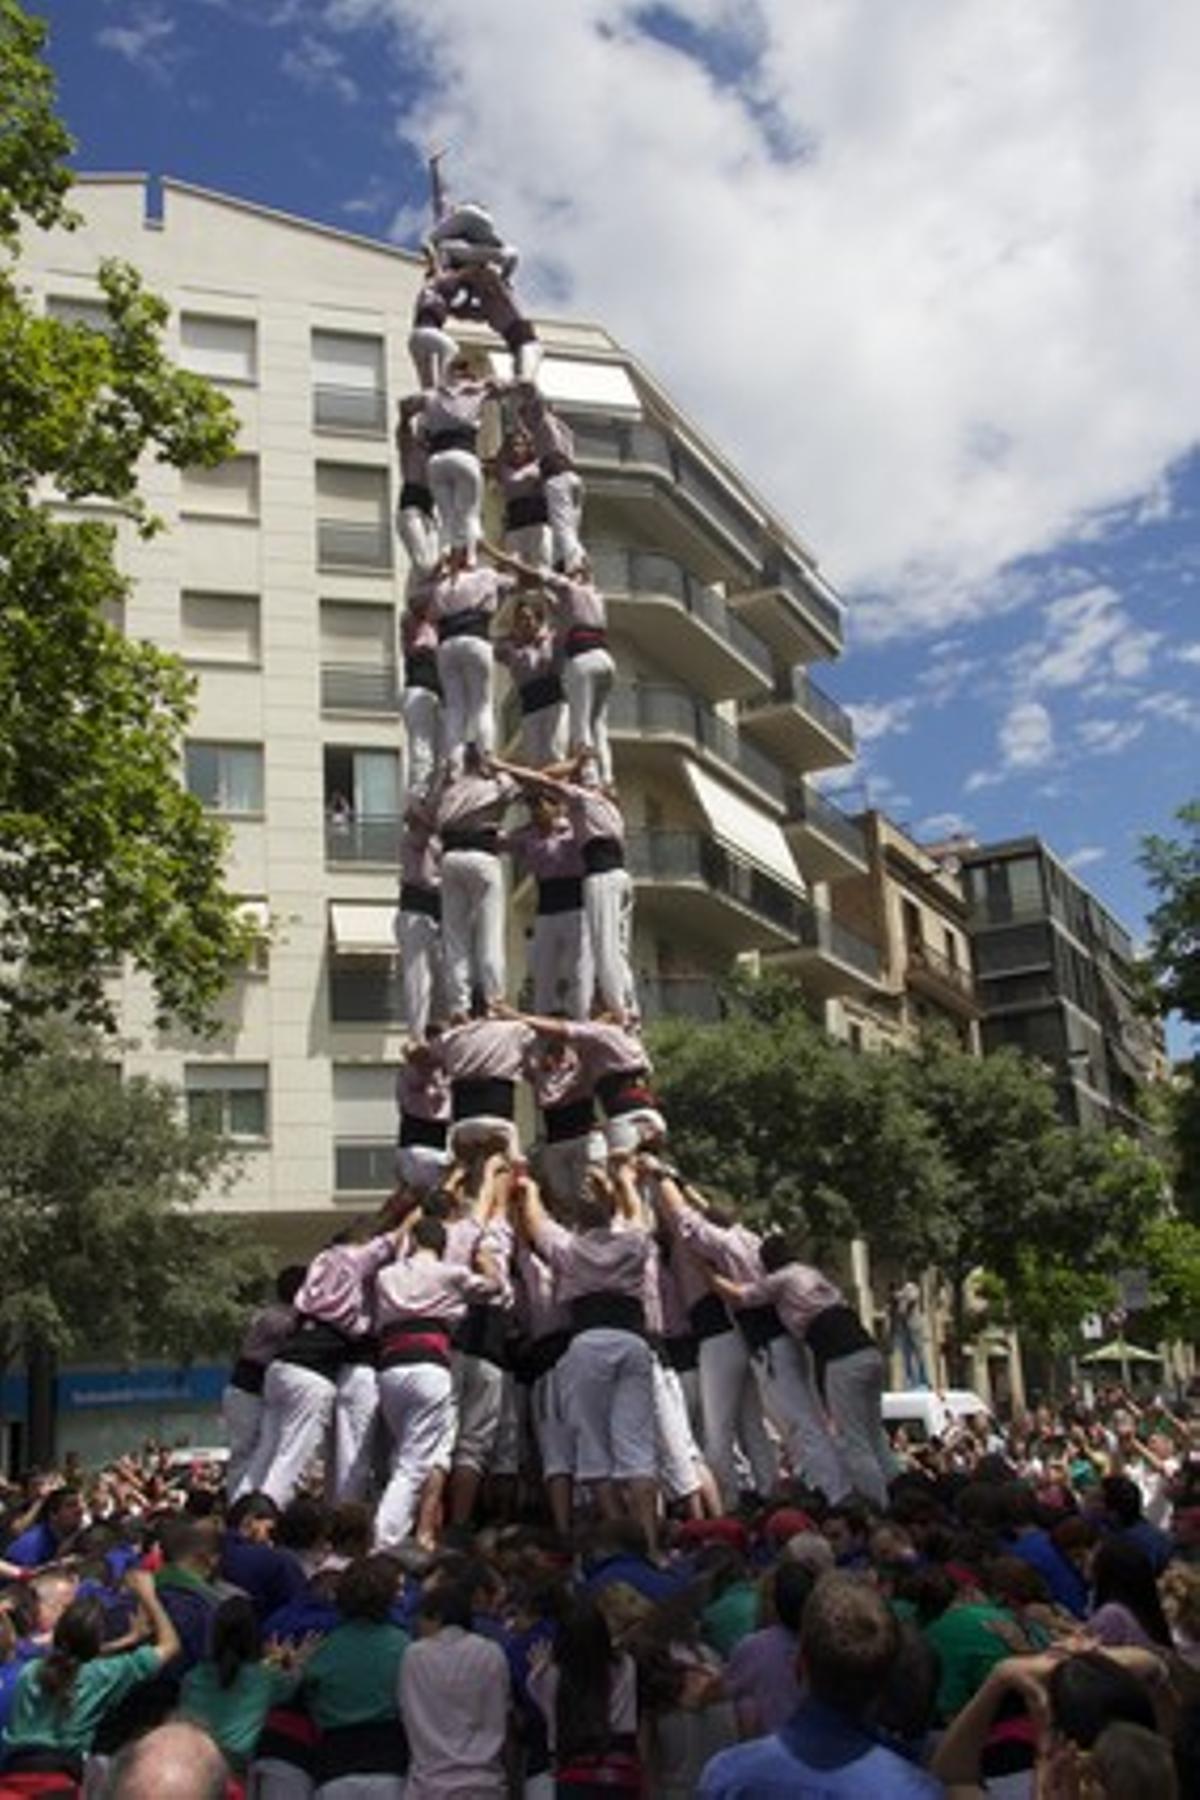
1172, 865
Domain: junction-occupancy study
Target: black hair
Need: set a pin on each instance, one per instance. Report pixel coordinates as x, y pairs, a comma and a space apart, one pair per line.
583, 1651
255, 1505
78, 1637
1089, 1691
448, 1603
56, 1498
776, 1252
367, 1588
907, 1702
429, 1234
790, 1589
288, 1283
303, 1524
1122, 1575
236, 1639
1122, 1498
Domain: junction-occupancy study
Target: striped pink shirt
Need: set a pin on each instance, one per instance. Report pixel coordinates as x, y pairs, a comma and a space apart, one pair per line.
336, 1288
422, 1287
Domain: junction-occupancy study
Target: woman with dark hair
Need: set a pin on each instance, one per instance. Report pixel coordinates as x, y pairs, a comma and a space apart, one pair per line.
61, 1698
587, 1691
1126, 1608
231, 1692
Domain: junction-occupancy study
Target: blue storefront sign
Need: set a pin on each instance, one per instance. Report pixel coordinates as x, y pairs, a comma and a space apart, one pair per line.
81, 1390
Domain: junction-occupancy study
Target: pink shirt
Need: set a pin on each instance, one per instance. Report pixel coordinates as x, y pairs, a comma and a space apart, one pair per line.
540, 1311
335, 1288
423, 1091
473, 801
520, 481
422, 1287
594, 1262
466, 1235
468, 590
455, 409
548, 855
607, 1049
579, 603
529, 661
732, 1251
551, 436
485, 1049
798, 1295
454, 1700
594, 814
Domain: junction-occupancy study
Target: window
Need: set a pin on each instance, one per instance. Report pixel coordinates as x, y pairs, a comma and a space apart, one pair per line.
951, 943
362, 804
349, 390
221, 628
258, 914
364, 1128
358, 658
353, 520
910, 915
230, 491
222, 349
227, 778
72, 309
230, 1098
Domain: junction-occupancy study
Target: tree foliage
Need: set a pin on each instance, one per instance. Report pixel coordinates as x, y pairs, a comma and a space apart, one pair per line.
103, 855
104, 1253
1173, 953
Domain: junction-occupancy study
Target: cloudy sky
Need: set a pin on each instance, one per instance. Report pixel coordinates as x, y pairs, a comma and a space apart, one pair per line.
928, 269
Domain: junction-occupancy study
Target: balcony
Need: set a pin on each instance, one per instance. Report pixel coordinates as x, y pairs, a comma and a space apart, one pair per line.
692, 883
793, 612
646, 715
355, 545
693, 997
365, 839
827, 845
357, 411
801, 726
364, 1166
832, 960
946, 983
360, 688
678, 619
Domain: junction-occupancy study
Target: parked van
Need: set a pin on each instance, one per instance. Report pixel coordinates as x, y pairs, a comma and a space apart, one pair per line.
931, 1412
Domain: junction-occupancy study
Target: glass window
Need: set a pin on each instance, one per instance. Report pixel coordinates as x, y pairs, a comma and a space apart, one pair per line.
230, 491
222, 349
230, 1098
73, 309
221, 628
227, 778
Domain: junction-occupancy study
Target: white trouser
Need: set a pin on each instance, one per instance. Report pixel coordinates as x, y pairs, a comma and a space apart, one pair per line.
544, 735
421, 711
785, 1373
588, 682
560, 954
432, 351
530, 542
420, 1166
732, 1410
563, 1166
689, 1381
355, 1413
608, 908
416, 1404
854, 1393
243, 1416
511, 1428
420, 942
456, 483
472, 927
608, 1388
552, 1424
678, 1455
478, 1401
418, 532
465, 671
270, 1778
564, 504
299, 1406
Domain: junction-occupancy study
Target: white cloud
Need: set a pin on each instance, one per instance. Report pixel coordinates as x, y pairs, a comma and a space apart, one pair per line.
1188, 653
960, 236
1026, 736
145, 40
1176, 709
1108, 737
320, 68
939, 826
874, 719
1085, 856
1088, 636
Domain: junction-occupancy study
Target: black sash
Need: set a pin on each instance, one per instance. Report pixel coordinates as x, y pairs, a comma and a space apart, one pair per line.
603, 853
838, 1331
613, 1312
404, 1342
416, 495
560, 894
430, 1134
484, 837
417, 899
582, 638
573, 1119
248, 1375
708, 1317
420, 670
375, 1747
472, 621
455, 437
482, 1334
487, 1098
525, 509
759, 1325
542, 691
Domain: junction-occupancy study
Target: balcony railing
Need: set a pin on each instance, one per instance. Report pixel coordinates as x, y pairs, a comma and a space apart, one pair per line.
693, 856
360, 688
805, 806
823, 932
364, 1166
779, 572
362, 411
365, 990
656, 710
694, 997
619, 571
795, 688
935, 962
352, 544
366, 839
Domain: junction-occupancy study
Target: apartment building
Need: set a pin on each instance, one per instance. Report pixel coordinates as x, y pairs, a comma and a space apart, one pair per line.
1057, 980
280, 580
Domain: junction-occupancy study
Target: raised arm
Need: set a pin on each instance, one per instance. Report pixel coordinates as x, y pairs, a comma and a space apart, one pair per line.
164, 1637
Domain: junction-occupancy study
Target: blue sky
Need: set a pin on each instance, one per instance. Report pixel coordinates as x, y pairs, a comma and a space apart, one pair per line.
928, 272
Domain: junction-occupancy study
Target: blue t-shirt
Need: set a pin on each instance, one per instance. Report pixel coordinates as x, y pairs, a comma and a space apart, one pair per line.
1067, 1586
818, 1755
637, 1573
34, 1547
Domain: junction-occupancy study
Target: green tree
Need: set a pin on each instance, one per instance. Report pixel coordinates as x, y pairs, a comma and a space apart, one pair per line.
103, 855
1172, 866
105, 1253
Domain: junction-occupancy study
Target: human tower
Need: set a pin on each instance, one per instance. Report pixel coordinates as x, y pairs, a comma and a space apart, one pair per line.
600, 1328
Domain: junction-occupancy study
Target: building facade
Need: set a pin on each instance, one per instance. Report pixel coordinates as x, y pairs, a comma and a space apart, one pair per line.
280, 581
1057, 981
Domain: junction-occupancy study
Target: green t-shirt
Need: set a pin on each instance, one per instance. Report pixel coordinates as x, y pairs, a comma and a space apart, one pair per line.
352, 1676
729, 1618
234, 1715
968, 1650
37, 1718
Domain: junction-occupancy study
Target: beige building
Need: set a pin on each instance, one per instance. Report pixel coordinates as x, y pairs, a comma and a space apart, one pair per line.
280, 580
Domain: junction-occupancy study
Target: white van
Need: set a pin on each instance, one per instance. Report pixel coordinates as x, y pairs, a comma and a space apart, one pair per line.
928, 1413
